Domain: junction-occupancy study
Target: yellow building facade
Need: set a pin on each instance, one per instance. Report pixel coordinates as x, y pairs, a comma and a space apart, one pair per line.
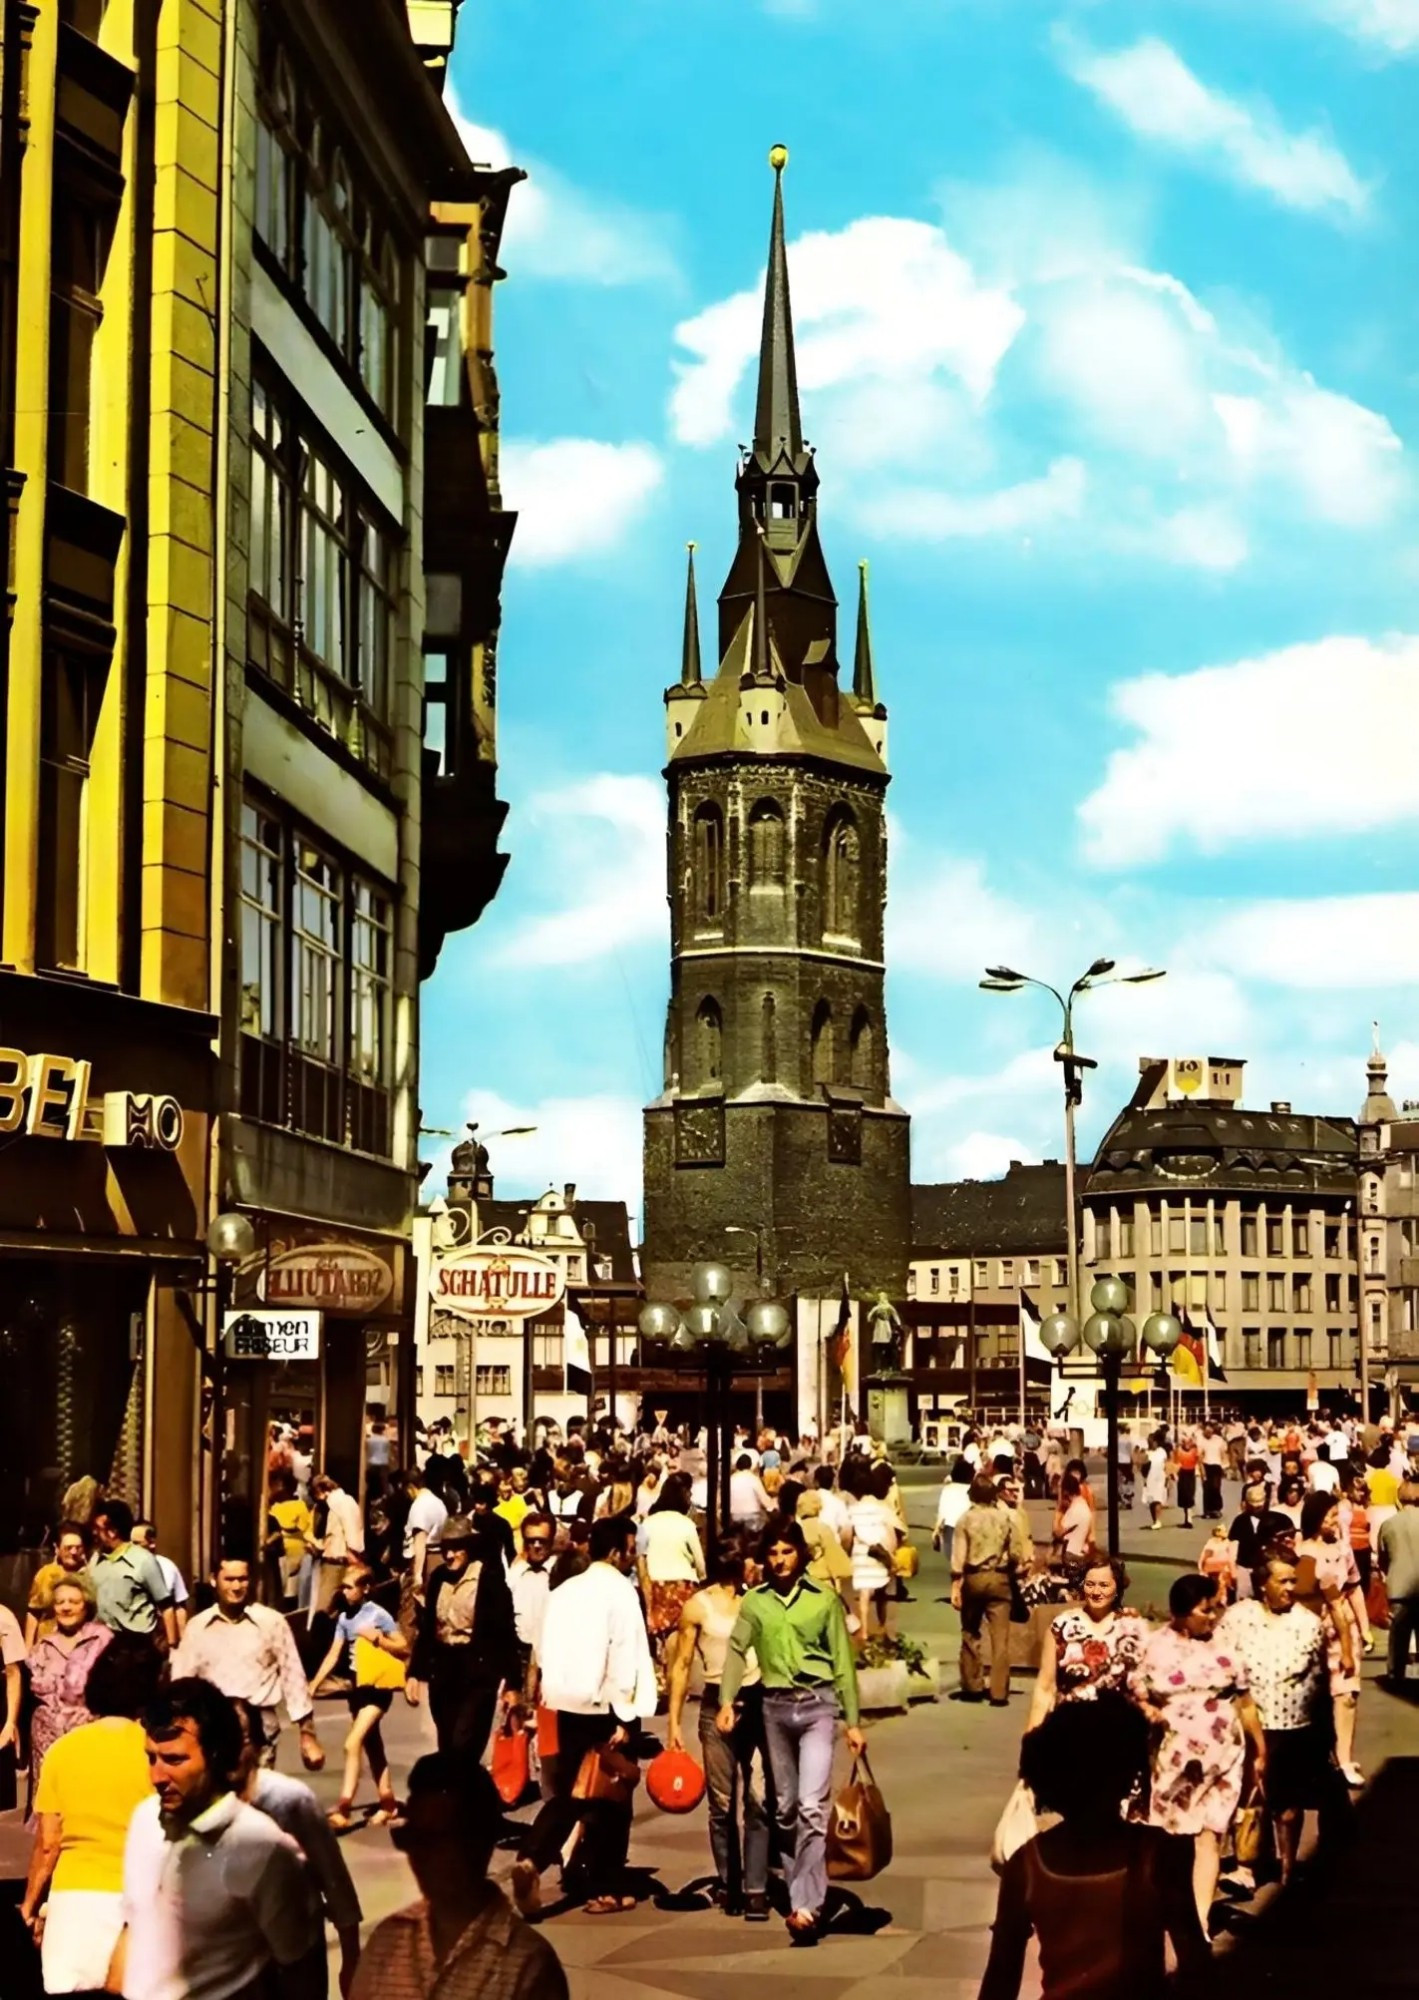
248, 753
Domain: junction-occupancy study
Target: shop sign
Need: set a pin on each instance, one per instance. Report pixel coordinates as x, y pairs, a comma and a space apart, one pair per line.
333, 1277
263, 1334
48, 1097
496, 1282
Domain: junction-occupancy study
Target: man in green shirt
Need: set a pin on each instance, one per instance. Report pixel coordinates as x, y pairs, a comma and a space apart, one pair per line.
798, 1634
131, 1591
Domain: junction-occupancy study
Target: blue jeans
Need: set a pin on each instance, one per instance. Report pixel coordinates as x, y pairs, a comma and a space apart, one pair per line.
736, 1791
801, 1728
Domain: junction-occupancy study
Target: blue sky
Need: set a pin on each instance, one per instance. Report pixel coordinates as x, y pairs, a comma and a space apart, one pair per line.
1108, 335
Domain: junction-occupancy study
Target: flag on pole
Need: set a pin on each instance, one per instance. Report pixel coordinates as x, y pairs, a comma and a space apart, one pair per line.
576, 1356
1215, 1371
1033, 1347
840, 1343
1189, 1356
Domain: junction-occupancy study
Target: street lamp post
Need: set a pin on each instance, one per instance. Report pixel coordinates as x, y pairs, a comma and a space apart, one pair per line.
1112, 1336
231, 1241
752, 1229
1003, 979
712, 1329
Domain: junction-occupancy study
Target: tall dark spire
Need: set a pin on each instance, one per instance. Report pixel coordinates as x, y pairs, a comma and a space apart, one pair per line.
777, 423
690, 675
864, 674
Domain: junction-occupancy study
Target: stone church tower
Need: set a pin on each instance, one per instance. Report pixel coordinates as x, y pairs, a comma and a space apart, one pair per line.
776, 1116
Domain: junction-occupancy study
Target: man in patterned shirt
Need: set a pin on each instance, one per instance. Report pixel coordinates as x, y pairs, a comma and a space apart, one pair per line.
463, 1940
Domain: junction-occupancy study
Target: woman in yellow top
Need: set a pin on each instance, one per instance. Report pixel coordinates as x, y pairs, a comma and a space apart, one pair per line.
297, 1524
90, 1783
70, 1565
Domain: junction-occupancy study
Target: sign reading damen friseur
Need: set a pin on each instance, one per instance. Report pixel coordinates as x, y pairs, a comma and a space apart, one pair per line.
263, 1334
496, 1282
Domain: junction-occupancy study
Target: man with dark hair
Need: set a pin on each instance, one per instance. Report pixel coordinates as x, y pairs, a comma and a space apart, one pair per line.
989, 1545
130, 1589
460, 1941
248, 1651
529, 1581
597, 1673
145, 1536
797, 1632
734, 1764
217, 1901
466, 1644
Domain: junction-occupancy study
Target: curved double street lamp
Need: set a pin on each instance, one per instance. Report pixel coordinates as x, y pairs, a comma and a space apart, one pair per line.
1114, 1338
712, 1330
1004, 979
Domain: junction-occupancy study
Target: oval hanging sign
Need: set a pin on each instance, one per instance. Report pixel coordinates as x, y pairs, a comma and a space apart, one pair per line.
496, 1283
338, 1277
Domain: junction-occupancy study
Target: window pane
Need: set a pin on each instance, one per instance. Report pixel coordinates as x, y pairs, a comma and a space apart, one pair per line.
71, 695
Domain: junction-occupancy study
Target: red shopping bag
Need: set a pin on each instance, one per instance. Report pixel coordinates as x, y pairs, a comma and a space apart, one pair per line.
512, 1764
1377, 1602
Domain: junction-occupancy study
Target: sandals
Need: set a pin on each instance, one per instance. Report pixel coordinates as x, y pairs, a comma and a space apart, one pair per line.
526, 1886
339, 1819
608, 1906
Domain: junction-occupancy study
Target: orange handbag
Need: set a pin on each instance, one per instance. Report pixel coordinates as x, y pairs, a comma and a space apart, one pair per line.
511, 1762
606, 1777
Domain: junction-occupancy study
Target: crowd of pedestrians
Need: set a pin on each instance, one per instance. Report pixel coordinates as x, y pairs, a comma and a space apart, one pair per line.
550, 1599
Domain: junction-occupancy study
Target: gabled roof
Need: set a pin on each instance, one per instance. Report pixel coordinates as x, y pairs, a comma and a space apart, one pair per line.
719, 729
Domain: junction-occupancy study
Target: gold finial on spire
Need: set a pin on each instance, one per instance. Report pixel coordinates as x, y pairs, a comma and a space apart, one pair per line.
692, 546
778, 158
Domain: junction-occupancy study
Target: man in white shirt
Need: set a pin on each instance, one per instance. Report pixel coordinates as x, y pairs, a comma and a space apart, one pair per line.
248, 1651
597, 1673
530, 1585
1322, 1476
422, 1527
1337, 1445
1213, 1452
192, 1930
343, 1541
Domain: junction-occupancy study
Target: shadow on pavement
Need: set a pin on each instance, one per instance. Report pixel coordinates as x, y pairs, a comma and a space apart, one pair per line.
1345, 1924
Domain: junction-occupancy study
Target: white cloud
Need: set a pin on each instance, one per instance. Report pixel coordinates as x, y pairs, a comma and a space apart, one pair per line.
923, 514
1341, 943
945, 920
603, 841
575, 497
594, 1141
983, 1156
1154, 92
557, 230
1314, 739
883, 299
1176, 433
1391, 26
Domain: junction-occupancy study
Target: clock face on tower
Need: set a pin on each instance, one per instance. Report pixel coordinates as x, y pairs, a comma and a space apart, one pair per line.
776, 1122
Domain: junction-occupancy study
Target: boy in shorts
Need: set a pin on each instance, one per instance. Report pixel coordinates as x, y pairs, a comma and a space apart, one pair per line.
376, 1650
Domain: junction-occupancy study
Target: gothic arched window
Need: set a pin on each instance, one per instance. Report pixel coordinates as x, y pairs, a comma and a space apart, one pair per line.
823, 1071
709, 864
766, 845
708, 1038
863, 1049
841, 853
768, 1048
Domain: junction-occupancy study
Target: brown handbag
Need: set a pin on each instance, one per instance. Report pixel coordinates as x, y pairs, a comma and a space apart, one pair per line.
859, 1828
606, 1777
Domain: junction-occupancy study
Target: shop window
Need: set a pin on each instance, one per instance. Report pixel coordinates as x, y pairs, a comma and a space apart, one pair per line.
82, 233
71, 697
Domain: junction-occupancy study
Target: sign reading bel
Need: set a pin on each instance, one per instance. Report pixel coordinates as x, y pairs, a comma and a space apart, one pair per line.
48, 1097
260, 1334
496, 1282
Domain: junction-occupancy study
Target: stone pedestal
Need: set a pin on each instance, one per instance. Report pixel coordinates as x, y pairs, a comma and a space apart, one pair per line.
889, 1407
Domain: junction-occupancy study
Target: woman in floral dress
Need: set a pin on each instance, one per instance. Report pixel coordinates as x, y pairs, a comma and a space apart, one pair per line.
1195, 1693
59, 1670
1091, 1647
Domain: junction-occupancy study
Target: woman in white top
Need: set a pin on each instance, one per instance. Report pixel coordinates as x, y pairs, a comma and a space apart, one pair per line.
1155, 1479
955, 1499
670, 1560
873, 1532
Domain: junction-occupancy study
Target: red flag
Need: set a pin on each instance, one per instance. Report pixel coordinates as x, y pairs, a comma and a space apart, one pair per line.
840, 1339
